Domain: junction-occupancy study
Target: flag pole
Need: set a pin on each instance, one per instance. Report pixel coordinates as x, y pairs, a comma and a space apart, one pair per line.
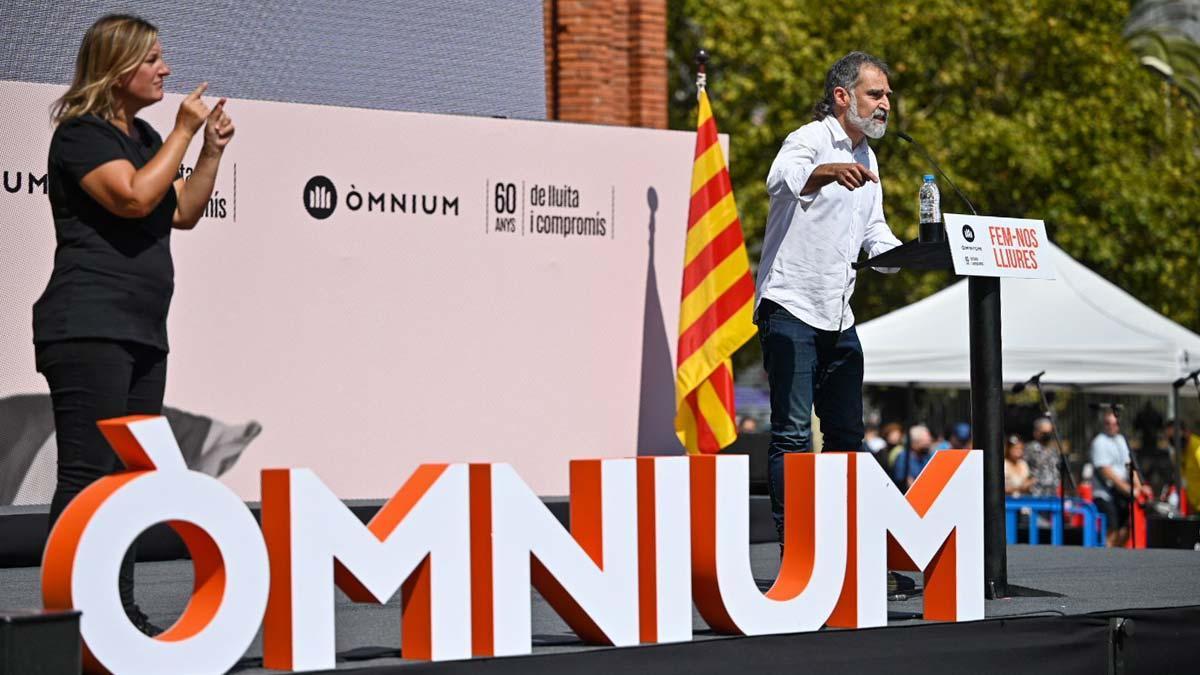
717, 295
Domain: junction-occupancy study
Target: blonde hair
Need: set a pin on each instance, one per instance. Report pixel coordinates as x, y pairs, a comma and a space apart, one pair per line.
111, 49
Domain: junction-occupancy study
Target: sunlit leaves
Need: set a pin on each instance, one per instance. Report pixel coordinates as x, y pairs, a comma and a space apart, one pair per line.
1037, 108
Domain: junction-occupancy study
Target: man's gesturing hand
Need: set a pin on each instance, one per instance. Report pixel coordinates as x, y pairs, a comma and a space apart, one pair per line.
850, 175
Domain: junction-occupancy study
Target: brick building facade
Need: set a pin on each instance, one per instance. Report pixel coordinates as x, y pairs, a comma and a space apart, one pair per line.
606, 61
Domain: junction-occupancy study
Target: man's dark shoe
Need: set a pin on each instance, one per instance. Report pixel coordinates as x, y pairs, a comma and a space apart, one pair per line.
900, 586
142, 622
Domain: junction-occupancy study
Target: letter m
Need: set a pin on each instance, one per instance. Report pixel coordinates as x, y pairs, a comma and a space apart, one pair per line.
418, 543
937, 528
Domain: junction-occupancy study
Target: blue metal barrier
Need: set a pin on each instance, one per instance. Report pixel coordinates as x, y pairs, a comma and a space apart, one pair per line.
1095, 523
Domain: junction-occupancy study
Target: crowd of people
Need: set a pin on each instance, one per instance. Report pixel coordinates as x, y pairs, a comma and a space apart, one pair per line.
904, 459
1030, 468
1032, 464
1112, 472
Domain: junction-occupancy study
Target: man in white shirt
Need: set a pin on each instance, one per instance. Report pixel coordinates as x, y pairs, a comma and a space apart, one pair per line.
1113, 491
826, 206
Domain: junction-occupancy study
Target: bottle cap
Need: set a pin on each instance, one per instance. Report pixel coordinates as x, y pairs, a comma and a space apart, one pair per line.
929, 178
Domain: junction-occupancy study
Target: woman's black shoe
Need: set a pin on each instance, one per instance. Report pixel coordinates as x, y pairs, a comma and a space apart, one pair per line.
142, 622
899, 587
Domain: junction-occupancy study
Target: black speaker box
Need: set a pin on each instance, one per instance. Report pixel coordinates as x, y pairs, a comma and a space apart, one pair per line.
35, 642
1173, 532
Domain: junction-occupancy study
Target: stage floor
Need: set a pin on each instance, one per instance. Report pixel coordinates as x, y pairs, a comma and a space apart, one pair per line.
1085, 581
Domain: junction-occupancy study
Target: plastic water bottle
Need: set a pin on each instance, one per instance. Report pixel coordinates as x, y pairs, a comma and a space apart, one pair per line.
931, 211
931, 201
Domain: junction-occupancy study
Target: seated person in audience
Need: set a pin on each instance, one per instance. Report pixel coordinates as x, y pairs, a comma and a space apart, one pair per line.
893, 436
1113, 488
958, 437
748, 425
1042, 457
910, 461
1017, 477
872, 441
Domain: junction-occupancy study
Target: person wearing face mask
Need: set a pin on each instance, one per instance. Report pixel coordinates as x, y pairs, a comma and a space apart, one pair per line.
1042, 459
100, 326
826, 204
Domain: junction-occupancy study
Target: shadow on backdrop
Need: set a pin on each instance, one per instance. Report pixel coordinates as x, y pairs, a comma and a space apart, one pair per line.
656, 408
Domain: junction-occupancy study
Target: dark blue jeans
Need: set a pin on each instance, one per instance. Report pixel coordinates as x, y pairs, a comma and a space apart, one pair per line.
807, 367
92, 380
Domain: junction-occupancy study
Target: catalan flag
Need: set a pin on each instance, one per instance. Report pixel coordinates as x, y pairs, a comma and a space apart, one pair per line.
717, 306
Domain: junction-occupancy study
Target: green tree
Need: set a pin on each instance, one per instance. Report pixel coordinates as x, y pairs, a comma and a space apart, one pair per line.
1037, 109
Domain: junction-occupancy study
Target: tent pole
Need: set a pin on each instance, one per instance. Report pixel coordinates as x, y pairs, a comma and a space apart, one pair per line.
987, 424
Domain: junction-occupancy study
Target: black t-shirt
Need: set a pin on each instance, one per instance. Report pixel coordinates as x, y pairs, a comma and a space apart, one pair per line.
113, 277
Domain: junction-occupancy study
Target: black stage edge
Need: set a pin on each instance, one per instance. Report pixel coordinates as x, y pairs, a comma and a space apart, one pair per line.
1161, 641
23, 530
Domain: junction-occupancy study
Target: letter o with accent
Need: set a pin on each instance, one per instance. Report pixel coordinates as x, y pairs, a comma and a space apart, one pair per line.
85, 549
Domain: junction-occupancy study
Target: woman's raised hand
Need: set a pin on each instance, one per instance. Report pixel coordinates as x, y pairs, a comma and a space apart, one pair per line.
219, 129
192, 111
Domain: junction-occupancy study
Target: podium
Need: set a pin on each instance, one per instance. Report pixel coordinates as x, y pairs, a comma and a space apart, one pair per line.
987, 392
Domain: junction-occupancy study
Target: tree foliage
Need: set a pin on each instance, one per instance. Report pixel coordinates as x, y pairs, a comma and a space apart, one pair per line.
1036, 108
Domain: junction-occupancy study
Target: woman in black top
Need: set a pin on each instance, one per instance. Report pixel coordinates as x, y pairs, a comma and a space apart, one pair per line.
99, 329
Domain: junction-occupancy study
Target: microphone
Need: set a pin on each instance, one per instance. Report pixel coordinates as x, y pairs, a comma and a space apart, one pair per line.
1183, 380
929, 157
1020, 386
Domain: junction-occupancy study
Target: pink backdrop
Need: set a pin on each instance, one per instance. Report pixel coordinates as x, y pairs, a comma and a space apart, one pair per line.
369, 342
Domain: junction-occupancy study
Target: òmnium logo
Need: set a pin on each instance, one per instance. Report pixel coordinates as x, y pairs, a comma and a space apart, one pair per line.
968, 233
320, 197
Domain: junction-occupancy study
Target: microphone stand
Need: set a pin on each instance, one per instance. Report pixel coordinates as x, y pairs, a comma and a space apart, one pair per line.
1064, 471
909, 139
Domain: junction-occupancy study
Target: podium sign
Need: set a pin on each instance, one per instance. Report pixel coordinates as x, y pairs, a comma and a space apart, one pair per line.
985, 246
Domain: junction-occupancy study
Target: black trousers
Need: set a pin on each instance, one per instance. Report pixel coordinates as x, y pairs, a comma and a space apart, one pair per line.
93, 380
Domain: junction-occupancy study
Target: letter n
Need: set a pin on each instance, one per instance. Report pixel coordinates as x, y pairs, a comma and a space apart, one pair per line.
664, 550
589, 575
418, 543
937, 527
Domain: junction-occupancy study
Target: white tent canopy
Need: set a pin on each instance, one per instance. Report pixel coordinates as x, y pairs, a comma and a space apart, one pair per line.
1081, 329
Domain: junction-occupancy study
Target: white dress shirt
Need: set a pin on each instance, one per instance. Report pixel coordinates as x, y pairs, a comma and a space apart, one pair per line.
1113, 452
811, 239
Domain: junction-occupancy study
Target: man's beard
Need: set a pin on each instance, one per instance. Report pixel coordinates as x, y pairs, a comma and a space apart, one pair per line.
873, 127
